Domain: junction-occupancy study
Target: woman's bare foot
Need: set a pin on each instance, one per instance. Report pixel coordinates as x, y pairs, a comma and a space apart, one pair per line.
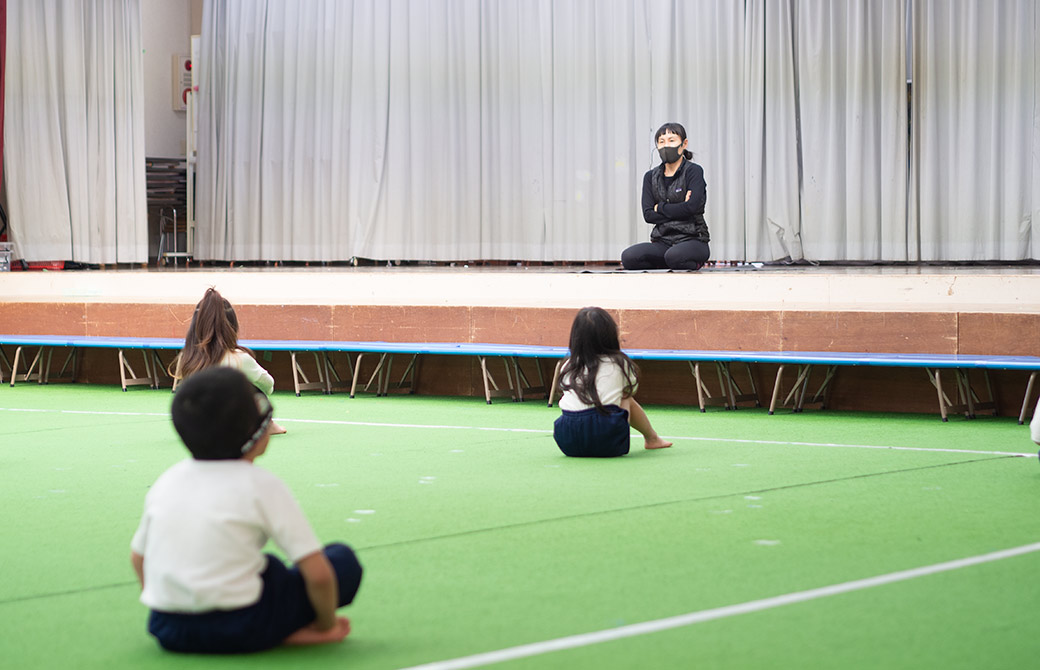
656, 443
311, 635
274, 429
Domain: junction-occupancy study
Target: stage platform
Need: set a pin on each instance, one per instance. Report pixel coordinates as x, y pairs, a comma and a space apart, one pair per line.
890, 309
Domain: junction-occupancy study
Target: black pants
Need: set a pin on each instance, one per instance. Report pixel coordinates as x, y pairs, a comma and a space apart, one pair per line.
689, 255
283, 609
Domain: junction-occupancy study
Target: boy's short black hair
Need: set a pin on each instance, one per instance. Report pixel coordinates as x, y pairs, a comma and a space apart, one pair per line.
219, 413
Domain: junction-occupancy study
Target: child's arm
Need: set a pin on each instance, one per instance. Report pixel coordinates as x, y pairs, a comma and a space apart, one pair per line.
137, 560
322, 588
252, 369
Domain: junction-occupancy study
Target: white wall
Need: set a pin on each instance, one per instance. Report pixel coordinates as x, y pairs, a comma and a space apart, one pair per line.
165, 31
196, 17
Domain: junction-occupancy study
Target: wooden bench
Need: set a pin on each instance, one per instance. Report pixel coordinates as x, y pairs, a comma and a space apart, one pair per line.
517, 382
959, 365
798, 396
730, 394
39, 368
40, 348
327, 376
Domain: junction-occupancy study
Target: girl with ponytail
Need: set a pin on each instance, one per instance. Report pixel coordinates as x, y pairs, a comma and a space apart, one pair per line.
212, 340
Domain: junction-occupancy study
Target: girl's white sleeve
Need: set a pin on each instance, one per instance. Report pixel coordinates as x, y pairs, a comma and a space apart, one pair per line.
1034, 425
260, 377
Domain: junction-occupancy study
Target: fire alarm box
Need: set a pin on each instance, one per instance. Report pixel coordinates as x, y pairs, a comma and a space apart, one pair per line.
181, 82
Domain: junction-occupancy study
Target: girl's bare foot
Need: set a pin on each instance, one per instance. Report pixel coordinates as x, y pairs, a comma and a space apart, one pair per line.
310, 635
656, 443
274, 429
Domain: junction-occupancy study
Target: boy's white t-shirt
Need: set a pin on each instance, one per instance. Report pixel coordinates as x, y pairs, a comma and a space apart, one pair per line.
203, 531
610, 382
247, 365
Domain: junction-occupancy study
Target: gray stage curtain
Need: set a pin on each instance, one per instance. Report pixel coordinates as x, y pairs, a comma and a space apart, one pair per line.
516, 140
976, 144
74, 155
520, 129
772, 223
827, 130
421, 130
331, 129
852, 118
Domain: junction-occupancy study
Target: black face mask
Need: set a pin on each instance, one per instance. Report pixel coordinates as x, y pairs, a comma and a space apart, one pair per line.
670, 154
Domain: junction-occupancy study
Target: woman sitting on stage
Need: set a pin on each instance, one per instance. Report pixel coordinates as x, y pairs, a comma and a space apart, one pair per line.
674, 194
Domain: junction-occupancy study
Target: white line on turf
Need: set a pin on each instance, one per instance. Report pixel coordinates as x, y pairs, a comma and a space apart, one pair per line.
540, 431
646, 627
82, 411
667, 437
849, 446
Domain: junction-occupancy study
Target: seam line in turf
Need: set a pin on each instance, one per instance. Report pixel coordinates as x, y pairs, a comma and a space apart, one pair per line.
556, 519
675, 502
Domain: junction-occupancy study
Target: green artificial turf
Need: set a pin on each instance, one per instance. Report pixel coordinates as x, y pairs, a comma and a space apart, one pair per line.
476, 534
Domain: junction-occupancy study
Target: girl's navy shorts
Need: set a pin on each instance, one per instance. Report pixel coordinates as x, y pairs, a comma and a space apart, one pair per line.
591, 432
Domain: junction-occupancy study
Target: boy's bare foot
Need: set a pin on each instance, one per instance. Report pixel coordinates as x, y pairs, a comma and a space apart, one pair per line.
311, 635
657, 443
274, 429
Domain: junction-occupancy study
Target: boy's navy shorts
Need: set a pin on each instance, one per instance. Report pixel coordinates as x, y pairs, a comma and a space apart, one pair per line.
591, 432
283, 609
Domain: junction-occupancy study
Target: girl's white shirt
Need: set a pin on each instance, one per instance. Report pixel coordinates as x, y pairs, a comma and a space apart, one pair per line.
247, 365
610, 382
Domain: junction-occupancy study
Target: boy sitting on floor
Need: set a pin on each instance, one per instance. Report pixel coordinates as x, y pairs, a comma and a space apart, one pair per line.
198, 549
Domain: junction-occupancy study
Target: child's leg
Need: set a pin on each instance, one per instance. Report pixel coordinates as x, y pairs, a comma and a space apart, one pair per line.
637, 419
347, 568
274, 429
348, 576
287, 608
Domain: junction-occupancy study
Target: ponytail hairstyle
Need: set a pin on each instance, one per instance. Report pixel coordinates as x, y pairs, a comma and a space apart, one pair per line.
594, 335
676, 128
212, 333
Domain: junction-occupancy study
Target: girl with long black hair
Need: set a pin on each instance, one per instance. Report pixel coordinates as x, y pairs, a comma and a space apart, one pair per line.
599, 382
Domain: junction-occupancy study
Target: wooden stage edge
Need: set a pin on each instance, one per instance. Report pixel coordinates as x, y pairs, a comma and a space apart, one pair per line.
948, 310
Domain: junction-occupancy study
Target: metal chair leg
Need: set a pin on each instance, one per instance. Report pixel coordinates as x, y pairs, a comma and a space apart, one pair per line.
555, 381
1025, 401
776, 389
